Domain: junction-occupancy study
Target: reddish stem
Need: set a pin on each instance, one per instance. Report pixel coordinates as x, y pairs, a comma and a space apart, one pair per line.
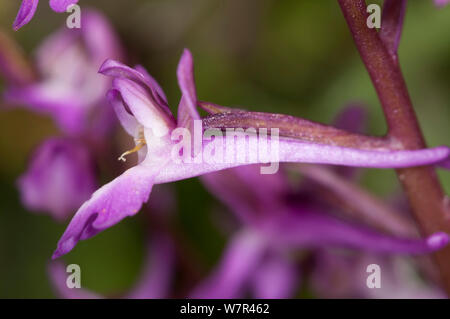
421, 185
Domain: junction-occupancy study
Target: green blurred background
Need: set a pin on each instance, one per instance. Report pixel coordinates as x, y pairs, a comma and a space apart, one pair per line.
284, 56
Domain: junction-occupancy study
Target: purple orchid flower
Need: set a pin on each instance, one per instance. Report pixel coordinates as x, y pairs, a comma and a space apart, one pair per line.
28, 9
69, 89
274, 227
59, 178
254, 198
142, 108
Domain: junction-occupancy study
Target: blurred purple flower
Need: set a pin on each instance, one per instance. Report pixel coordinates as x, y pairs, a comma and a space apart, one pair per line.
59, 179
142, 108
441, 3
69, 87
28, 9
274, 227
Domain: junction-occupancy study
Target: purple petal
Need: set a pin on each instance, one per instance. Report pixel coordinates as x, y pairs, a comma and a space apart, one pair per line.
240, 259
392, 24
369, 209
187, 110
441, 3
111, 203
128, 121
61, 5
294, 127
275, 278
25, 14
353, 119
14, 65
59, 179
67, 109
139, 75
309, 228
58, 277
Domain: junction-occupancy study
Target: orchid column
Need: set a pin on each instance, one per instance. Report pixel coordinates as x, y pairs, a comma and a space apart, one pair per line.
378, 51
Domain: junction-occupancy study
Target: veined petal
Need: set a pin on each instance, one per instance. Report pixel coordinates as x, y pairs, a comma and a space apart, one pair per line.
349, 273
307, 228
369, 209
239, 261
155, 280
110, 204
25, 14
187, 110
66, 109
61, 5
14, 65
142, 94
441, 3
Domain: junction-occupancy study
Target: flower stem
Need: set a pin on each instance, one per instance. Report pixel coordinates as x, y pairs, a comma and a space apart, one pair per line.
426, 197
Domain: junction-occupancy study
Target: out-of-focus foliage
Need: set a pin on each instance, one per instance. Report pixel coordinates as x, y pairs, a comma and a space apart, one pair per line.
287, 56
